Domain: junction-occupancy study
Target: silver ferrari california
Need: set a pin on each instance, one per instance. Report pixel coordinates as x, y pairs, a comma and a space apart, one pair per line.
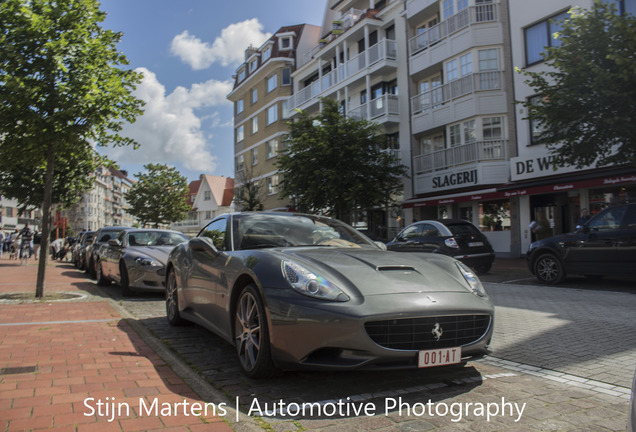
295, 291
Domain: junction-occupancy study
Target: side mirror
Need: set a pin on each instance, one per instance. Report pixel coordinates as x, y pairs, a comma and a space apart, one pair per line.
114, 242
380, 245
203, 244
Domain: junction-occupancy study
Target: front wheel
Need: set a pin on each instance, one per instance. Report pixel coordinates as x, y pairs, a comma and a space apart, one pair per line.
172, 300
548, 269
251, 335
124, 280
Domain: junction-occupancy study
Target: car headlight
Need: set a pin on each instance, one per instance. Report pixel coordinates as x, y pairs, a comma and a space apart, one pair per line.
145, 262
310, 284
472, 279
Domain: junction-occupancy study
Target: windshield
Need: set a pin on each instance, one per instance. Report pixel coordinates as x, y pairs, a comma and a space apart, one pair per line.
155, 238
255, 231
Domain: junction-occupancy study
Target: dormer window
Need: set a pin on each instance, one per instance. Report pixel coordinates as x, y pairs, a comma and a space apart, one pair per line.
267, 53
241, 75
253, 65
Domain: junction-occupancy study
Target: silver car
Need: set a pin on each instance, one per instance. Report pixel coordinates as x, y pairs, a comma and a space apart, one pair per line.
136, 259
295, 291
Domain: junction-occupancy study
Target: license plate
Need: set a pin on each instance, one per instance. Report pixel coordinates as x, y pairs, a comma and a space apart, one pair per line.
439, 357
475, 244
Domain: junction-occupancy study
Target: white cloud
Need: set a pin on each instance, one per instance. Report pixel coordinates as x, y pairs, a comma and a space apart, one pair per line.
226, 49
170, 131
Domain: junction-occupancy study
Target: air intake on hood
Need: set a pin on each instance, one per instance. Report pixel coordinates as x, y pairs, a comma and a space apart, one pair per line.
395, 268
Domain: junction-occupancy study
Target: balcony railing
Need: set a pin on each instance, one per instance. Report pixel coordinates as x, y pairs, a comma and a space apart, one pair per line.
385, 105
473, 15
473, 152
384, 50
435, 98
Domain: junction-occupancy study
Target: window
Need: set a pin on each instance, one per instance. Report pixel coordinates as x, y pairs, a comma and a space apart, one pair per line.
285, 43
254, 156
208, 214
449, 8
469, 132
492, 128
536, 127
451, 71
363, 97
207, 195
272, 114
254, 125
239, 106
240, 133
253, 65
272, 185
240, 163
215, 231
488, 60
254, 95
466, 64
272, 148
241, 75
462, 4
267, 53
541, 36
286, 76
455, 135
272, 83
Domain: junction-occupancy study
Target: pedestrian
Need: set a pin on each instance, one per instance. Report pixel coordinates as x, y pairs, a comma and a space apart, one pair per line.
37, 240
584, 217
3, 237
26, 237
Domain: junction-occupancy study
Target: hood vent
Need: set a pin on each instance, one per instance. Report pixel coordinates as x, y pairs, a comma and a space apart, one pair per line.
395, 268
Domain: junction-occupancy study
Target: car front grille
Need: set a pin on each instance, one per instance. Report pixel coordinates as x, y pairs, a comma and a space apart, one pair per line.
422, 333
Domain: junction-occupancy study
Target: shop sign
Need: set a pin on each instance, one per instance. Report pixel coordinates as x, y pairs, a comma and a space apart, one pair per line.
460, 178
525, 167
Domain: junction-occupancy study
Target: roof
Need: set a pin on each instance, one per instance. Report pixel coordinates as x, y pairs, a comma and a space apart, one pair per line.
222, 189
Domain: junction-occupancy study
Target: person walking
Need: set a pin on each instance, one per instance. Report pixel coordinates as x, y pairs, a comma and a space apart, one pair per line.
37, 240
3, 237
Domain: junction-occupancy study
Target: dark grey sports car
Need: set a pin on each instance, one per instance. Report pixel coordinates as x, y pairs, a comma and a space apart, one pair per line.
294, 291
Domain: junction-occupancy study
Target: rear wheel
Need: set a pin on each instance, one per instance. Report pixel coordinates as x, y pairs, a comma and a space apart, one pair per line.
251, 335
482, 269
99, 274
172, 300
548, 269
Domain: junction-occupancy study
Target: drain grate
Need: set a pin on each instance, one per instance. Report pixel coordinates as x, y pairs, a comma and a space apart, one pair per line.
18, 370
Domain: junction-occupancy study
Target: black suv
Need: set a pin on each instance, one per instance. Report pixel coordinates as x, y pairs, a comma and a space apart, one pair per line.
605, 245
455, 237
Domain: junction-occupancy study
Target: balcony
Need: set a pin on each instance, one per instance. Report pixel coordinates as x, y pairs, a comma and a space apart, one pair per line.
381, 53
382, 109
437, 97
464, 18
478, 151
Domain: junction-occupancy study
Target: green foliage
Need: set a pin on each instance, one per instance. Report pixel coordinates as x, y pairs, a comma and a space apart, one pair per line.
588, 105
63, 90
337, 165
160, 196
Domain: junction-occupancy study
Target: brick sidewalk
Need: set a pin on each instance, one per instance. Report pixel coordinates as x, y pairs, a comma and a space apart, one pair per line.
59, 360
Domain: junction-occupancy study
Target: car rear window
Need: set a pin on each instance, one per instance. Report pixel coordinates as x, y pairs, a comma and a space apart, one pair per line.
463, 229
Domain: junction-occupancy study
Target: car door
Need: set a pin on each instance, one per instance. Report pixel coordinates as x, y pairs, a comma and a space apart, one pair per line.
208, 257
626, 243
596, 251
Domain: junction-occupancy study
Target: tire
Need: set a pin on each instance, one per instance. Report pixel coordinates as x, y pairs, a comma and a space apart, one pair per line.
548, 269
91, 269
483, 269
172, 300
99, 275
124, 280
251, 335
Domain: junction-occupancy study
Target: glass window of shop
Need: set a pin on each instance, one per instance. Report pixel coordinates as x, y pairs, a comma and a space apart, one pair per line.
494, 215
608, 196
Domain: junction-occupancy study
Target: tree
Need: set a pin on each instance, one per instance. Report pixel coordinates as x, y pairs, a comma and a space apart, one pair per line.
62, 88
249, 196
338, 165
586, 107
160, 196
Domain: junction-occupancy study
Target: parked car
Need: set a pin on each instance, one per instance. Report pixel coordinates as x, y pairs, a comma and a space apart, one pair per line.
136, 259
79, 248
605, 245
453, 237
294, 291
101, 237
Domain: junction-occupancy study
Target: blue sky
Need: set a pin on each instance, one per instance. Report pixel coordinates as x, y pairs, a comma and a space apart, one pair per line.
188, 51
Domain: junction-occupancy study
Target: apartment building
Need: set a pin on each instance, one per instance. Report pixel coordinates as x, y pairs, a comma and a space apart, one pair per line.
12, 217
360, 62
538, 191
262, 86
104, 205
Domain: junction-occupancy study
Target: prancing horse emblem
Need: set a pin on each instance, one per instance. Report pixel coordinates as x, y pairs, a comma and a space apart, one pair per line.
437, 331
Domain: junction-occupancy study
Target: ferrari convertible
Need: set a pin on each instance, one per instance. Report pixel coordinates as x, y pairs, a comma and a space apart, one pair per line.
296, 291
